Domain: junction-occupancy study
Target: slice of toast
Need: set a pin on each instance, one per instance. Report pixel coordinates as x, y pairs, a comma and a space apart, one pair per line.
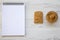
38, 17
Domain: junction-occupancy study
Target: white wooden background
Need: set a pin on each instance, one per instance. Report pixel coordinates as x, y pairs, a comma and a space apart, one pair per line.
33, 32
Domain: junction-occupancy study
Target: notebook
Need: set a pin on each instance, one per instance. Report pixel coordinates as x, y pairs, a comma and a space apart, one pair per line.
13, 19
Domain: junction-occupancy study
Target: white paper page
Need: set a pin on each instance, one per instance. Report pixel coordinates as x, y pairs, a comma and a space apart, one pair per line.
13, 20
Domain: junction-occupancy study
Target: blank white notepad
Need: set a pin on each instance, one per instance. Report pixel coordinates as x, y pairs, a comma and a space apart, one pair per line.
13, 19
